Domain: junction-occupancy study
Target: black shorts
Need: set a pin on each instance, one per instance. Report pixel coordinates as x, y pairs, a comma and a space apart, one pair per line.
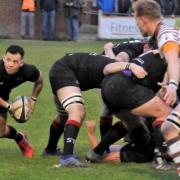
131, 153
62, 76
121, 92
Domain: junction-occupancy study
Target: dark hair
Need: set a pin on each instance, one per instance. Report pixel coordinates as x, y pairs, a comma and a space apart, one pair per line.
15, 49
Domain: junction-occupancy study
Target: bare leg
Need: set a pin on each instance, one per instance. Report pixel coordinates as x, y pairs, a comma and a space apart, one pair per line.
155, 107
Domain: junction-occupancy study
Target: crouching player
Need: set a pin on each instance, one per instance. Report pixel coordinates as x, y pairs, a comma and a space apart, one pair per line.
14, 72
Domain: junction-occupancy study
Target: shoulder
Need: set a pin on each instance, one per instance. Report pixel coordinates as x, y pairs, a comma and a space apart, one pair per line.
166, 34
30, 72
29, 67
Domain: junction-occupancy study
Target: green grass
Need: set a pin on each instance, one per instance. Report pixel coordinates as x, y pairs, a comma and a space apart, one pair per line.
14, 166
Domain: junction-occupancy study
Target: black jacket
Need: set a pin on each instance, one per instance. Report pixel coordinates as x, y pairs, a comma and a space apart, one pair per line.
49, 5
72, 8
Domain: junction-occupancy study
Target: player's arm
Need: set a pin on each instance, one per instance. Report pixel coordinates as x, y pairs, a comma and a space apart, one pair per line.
108, 50
122, 57
4, 104
93, 141
38, 85
171, 53
111, 68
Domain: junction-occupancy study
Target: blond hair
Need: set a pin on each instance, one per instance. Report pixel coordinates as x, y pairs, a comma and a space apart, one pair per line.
149, 8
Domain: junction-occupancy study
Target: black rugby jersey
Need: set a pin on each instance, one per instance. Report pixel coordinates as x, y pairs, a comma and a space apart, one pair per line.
155, 67
87, 67
9, 81
132, 48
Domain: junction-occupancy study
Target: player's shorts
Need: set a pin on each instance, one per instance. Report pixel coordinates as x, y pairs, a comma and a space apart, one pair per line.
121, 92
61, 76
131, 153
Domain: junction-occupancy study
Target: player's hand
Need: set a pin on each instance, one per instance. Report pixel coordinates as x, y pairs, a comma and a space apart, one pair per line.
91, 126
108, 45
169, 94
12, 109
138, 71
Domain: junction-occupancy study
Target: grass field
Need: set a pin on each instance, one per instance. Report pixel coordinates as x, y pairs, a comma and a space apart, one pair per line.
15, 167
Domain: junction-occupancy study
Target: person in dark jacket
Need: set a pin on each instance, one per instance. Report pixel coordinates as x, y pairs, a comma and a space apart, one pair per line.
72, 11
49, 8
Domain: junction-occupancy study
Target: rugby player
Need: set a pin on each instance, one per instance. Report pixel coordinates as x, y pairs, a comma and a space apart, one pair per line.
132, 151
68, 77
121, 52
125, 94
14, 72
148, 18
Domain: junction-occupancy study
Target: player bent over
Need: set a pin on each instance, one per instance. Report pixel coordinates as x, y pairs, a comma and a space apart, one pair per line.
120, 52
68, 77
14, 72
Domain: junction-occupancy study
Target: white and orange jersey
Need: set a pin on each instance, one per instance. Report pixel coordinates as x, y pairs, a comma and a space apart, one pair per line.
168, 37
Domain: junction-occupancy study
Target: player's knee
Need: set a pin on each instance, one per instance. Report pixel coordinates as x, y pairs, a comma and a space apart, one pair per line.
168, 130
61, 118
76, 113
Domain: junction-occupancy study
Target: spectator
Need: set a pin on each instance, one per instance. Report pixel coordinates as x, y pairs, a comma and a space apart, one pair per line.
28, 9
72, 11
107, 6
49, 8
124, 6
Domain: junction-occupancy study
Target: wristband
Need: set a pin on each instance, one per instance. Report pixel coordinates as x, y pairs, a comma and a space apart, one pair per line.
174, 86
33, 98
127, 66
173, 83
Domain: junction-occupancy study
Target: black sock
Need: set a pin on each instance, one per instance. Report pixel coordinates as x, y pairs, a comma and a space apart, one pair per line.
158, 137
105, 124
115, 133
56, 131
70, 133
13, 134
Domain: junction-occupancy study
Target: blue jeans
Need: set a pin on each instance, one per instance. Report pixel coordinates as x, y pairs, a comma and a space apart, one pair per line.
72, 28
49, 24
27, 23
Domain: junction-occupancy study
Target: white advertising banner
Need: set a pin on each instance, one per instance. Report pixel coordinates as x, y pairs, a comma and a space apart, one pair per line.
121, 27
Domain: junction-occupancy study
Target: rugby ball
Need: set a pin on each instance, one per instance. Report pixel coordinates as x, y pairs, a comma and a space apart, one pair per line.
22, 111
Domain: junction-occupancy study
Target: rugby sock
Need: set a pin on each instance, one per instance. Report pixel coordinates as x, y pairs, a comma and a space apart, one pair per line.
115, 133
158, 137
174, 151
105, 125
13, 134
56, 131
70, 133
174, 119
